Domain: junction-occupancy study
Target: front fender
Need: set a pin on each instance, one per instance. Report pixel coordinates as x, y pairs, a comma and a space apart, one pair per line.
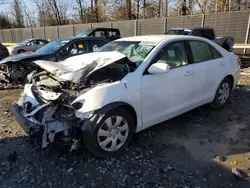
105, 94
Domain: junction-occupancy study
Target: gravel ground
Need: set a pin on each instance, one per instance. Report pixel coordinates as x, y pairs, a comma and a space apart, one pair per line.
177, 153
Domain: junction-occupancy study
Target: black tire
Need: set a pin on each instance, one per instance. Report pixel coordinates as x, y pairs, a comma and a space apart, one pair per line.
218, 103
20, 51
91, 139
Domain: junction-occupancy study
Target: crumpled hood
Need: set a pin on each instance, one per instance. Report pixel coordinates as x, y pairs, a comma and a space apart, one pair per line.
72, 68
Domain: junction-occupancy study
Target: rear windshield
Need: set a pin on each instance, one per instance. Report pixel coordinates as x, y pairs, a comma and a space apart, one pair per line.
177, 32
84, 33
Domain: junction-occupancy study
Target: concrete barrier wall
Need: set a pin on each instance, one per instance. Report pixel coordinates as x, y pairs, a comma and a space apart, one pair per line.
52, 33
151, 26
38, 32
27, 33
225, 24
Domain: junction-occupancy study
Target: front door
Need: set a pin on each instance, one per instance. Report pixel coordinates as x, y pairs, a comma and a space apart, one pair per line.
169, 94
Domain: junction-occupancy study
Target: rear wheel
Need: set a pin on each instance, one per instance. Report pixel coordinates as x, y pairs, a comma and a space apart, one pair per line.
112, 134
223, 93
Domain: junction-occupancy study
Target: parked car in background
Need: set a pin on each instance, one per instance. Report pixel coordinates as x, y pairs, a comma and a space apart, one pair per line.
130, 84
3, 52
27, 46
17, 67
109, 33
206, 32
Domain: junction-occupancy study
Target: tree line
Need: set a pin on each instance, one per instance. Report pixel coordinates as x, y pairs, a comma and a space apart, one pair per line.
40, 13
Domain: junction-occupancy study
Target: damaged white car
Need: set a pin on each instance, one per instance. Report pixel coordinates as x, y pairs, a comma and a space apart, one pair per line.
101, 99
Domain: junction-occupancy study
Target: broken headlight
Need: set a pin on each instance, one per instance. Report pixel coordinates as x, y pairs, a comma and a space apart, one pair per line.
78, 105
85, 115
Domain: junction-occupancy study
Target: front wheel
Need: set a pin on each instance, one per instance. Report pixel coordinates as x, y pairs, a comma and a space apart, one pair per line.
20, 51
222, 94
112, 134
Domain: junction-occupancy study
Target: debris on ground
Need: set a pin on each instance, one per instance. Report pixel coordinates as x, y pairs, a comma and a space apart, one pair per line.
221, 158
236, 173
234, 162
147, 162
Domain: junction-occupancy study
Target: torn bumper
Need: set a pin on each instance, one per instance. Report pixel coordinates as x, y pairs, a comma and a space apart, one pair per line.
28, 126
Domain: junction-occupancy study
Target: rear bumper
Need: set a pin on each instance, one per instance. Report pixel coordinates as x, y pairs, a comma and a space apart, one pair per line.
28, 126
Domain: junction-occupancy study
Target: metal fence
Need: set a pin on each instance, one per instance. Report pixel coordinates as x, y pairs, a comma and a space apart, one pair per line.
225, 24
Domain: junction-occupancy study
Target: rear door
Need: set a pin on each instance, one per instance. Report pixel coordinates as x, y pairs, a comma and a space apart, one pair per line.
95, 44
31, 46
208, 68
40, 43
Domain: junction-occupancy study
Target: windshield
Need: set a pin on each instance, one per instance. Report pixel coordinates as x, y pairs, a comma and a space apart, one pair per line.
136, 51
52, 47
177, 32
84, 33
24, 42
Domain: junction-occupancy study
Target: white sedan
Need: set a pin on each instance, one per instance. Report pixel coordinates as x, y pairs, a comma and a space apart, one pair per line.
103, 98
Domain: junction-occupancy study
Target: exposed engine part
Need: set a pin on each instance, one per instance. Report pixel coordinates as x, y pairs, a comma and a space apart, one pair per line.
13, 74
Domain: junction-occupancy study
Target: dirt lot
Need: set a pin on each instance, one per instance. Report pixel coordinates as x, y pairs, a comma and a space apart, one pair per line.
177, 153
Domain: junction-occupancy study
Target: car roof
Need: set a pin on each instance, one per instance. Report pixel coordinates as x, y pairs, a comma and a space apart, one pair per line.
104, 28
155, 39
78, 38
34, 39
149, 38
190, 28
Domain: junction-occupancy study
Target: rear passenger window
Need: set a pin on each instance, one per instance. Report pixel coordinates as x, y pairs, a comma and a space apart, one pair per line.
201, 51
94, 45
216, 54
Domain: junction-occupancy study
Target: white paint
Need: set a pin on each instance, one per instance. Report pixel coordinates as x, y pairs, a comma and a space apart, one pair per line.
155, 97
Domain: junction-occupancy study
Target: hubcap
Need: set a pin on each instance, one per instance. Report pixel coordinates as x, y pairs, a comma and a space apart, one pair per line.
113, 133
224, 93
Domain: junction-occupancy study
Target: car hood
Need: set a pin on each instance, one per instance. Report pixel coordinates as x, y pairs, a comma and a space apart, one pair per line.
21, 57
74, 68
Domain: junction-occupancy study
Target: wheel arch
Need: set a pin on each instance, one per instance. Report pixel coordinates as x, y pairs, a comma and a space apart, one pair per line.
89, 125
124, 105
231, 78
20, 50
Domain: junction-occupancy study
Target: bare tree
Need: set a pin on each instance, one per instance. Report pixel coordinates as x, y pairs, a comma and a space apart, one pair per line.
137, 9
96, 11
166, 8
54, 6
18, 14
159, 8
92, 9
129, 9
80, 10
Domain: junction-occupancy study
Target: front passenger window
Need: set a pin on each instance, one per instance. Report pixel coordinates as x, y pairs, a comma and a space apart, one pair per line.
173, 54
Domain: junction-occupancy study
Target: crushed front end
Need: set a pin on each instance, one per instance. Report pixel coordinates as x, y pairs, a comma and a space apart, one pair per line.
44, 112
51, 107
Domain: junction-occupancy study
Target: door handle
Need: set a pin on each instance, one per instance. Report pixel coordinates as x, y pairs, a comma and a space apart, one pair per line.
222, 64
189, 73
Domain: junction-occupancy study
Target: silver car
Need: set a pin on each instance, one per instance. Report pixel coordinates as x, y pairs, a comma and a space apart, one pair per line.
27, 45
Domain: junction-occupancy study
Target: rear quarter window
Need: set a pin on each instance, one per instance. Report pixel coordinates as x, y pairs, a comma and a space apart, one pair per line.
215, 53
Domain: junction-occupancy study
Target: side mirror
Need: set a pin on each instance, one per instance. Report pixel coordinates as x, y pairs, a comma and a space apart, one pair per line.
158, 68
